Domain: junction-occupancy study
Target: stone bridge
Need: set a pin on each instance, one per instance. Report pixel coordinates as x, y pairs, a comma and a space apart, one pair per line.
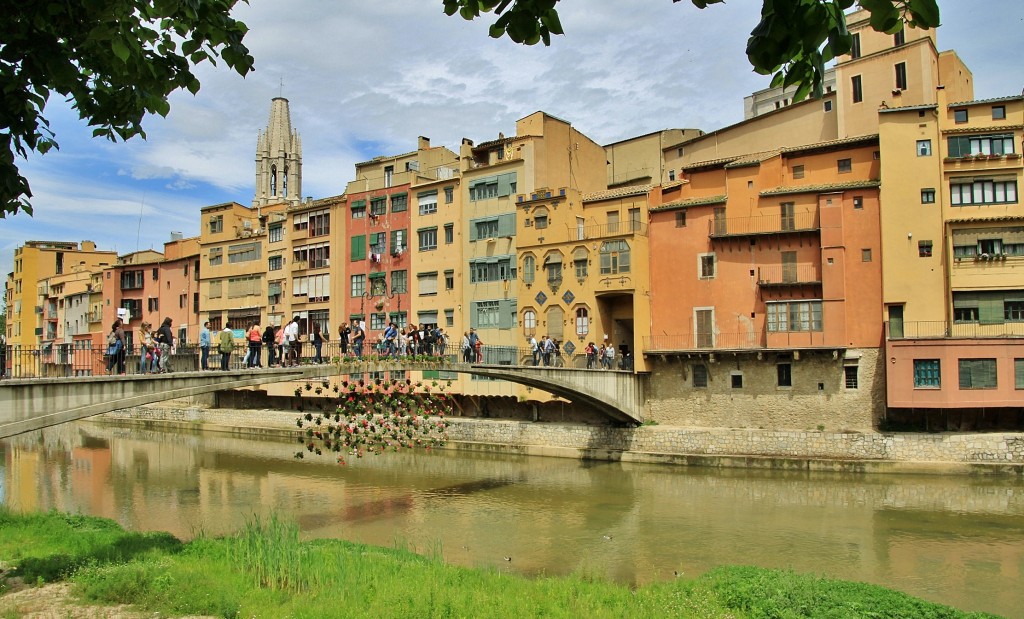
32, 404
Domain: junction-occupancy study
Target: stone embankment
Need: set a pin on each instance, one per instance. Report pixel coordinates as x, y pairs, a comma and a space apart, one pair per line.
875, 452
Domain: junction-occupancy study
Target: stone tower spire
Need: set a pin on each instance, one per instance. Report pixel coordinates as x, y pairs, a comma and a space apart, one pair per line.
278, 159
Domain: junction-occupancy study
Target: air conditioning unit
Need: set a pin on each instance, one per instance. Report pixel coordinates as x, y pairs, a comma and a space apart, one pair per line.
327, 262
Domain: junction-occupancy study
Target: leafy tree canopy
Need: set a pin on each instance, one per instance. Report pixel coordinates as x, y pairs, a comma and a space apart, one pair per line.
113, 60
793, 41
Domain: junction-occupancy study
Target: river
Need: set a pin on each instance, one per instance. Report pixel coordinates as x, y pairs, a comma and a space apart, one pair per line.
950, 539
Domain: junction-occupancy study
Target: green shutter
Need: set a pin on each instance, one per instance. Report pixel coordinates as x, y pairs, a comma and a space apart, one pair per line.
505, 182
359, 247
504, 314
358, 204
507, 224
473, 322
472, 229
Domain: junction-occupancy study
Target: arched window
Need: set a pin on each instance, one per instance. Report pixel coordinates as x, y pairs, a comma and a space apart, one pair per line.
529, 322
580, 260
529, 268
284, 182
582, 321
273, 180
553, 266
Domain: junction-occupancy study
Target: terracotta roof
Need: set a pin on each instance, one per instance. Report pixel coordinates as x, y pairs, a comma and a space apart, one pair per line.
753, 159
619, 192
678, 204
829, 144
994, 218
827, 187
908, 108
386, 158
711, 163
984, 101
673, 184
514, 138
990, 129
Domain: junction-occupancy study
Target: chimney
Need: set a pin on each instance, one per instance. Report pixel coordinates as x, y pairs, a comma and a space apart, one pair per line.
423, 143
88, 246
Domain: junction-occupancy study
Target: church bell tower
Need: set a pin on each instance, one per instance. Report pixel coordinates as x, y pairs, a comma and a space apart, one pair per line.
278, 159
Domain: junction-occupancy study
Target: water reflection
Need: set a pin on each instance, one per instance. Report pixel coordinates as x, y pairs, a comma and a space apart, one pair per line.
950, 539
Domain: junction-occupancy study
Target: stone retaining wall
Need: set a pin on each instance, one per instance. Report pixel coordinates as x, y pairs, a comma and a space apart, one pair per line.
840, 451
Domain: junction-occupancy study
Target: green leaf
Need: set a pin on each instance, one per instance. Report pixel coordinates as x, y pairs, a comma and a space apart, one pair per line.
120, 49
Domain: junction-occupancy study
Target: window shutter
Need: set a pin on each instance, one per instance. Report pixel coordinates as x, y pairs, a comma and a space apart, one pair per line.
507, 224
472, 229
504, 314
359, 247
505, 182
473, 322
1018, 373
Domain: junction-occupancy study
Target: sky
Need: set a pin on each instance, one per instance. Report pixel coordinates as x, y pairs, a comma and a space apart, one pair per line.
366, 80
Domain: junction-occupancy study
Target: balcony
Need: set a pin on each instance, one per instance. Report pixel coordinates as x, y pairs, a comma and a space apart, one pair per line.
300, 265
746, 341
764, 225
940, 329
599, 231
789, 275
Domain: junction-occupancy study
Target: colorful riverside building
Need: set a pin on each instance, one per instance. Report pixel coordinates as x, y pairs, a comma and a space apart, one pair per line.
36, 261
953, 237
381, 254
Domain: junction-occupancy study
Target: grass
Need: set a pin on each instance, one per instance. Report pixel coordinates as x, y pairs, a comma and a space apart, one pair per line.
266, 571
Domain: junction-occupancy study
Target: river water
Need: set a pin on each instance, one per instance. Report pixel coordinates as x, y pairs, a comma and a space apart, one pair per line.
951, 539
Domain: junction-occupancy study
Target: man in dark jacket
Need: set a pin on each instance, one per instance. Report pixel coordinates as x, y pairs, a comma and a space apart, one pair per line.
165, 338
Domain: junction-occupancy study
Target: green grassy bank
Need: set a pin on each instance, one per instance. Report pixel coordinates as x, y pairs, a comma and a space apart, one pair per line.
266, 571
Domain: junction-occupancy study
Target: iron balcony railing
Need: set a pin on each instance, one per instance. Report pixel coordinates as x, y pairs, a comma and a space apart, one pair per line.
938, 329
598, 231
789, 274
763, 224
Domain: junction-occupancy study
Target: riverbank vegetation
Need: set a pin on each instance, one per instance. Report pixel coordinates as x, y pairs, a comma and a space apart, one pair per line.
265, 570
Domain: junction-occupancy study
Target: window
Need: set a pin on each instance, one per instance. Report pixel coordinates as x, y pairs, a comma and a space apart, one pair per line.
858, 202
845, 165
977, 373
449, 280
377, 321
399, 282
707, 266
378, 206
131, 280
134, 306
378, 284
784, 375
399, 202
965, 314
275, 263
927, 374
924, 249
736, 380
449, 318
1013, 311
389, 175
787, 316
982, 192
615, 257
244, 252
798, 171
680, 219
247, 286
553, 266
857, 89
540, 218
449, 234
865, 255
634, 219
579, 263
492, 269
901, 75
989, 145
899, 38
216, 224
428, 239
358, 285
359, 209
487, 313
153, 304
427, 283
529, 322
1018, 373
358, 247
700, 376
428, 202
924, 148
855, 46
320, 223
998, 112
275, 233
315, 256
486, 229
216, 256
827, 106
671, 175
960, 116
493, 186
449, 195
582, 321
850, 376
787, 216
928, 196
529, 269
300, 222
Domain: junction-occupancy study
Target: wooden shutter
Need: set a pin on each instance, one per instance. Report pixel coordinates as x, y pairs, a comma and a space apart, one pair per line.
359, 247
